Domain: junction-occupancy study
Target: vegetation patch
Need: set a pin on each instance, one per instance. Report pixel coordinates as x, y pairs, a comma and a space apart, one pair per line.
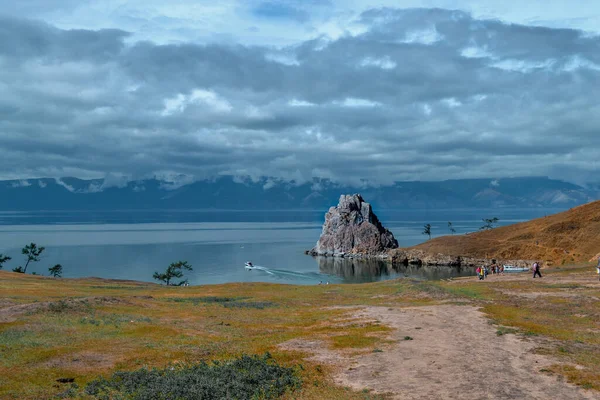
247, 377
68, 305
207, 299
503, 330
351, 341
227, 302
562, 286
433, 289
112, 319
259, 305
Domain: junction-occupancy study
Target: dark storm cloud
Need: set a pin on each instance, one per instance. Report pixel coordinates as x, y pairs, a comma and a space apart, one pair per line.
421, 94
21, 39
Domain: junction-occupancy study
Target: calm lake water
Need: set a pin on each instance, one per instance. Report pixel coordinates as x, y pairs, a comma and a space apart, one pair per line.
135, 244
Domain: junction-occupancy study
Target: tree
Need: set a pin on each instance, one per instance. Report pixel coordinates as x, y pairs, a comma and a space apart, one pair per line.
3, 259
32, 252
175, 270
452, 230
427, 230
488, 223
56, 271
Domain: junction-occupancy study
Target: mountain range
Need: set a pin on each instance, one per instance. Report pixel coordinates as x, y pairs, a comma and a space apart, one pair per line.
231, 193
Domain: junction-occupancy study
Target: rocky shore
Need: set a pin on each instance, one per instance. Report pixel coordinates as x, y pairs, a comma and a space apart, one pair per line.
423, 258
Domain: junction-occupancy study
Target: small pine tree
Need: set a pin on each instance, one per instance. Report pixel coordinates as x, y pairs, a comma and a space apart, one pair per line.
175, 270
3, 259
452, 230
56, 271
427, 230
32, 252
488, 223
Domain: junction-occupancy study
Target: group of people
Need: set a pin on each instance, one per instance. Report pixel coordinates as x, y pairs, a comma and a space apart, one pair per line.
483, 271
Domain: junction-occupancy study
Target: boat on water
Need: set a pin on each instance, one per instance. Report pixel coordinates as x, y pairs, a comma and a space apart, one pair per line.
513, 268
248, 265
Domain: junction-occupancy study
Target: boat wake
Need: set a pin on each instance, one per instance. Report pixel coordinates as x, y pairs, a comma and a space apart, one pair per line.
283, 274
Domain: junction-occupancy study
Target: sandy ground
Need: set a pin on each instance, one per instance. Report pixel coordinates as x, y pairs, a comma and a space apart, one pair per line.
454, 354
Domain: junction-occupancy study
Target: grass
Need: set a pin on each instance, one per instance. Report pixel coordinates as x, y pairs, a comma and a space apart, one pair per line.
82, 334
73, 330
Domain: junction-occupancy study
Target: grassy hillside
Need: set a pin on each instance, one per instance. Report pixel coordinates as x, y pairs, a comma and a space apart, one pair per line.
570, 236
57, 329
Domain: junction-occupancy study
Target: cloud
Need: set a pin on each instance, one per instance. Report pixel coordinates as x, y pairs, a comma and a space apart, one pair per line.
413, 94
65, 185
20, 184
205, 98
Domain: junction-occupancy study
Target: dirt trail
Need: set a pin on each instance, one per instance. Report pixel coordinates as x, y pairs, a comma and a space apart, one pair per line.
454, 354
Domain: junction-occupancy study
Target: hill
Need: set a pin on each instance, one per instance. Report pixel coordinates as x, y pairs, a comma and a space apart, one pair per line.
566, 237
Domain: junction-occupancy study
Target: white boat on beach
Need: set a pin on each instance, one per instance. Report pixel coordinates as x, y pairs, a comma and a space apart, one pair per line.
513, 268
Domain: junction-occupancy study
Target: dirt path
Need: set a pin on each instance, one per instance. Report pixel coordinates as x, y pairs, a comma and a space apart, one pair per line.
450, 356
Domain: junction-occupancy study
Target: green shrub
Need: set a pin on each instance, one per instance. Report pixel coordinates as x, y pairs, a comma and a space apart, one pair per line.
250, 304
207, 299
69, 305
247, 377
227, 302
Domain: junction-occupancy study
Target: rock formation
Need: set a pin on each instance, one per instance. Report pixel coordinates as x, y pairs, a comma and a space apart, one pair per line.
351, 229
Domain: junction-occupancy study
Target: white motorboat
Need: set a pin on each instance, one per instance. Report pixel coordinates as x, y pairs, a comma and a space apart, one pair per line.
513, 268
248, 265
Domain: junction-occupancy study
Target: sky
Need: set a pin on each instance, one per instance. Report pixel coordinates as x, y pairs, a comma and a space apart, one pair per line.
349, 90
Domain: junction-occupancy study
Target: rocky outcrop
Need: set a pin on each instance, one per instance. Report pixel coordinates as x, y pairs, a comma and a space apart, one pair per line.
424, 258
351, 229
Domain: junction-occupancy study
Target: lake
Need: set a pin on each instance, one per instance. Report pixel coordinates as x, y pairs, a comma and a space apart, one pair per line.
135, 244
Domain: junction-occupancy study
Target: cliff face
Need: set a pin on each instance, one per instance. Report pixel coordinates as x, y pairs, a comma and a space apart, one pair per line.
352, 229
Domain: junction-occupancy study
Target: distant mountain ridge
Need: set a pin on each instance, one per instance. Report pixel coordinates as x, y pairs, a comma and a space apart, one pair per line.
229, 193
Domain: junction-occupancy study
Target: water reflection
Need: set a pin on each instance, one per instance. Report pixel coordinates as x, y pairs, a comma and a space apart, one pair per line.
373, 270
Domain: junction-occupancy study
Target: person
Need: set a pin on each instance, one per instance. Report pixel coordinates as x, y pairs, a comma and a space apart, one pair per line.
501, 269
486, 271
480, 273
536, 269
493, 269
598, 269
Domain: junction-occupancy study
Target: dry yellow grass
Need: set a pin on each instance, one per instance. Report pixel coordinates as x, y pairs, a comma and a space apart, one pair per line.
559, 239
82, 328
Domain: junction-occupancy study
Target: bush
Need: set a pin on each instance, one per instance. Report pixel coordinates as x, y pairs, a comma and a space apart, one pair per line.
227, 302
260, 305
247, 377
69, 305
